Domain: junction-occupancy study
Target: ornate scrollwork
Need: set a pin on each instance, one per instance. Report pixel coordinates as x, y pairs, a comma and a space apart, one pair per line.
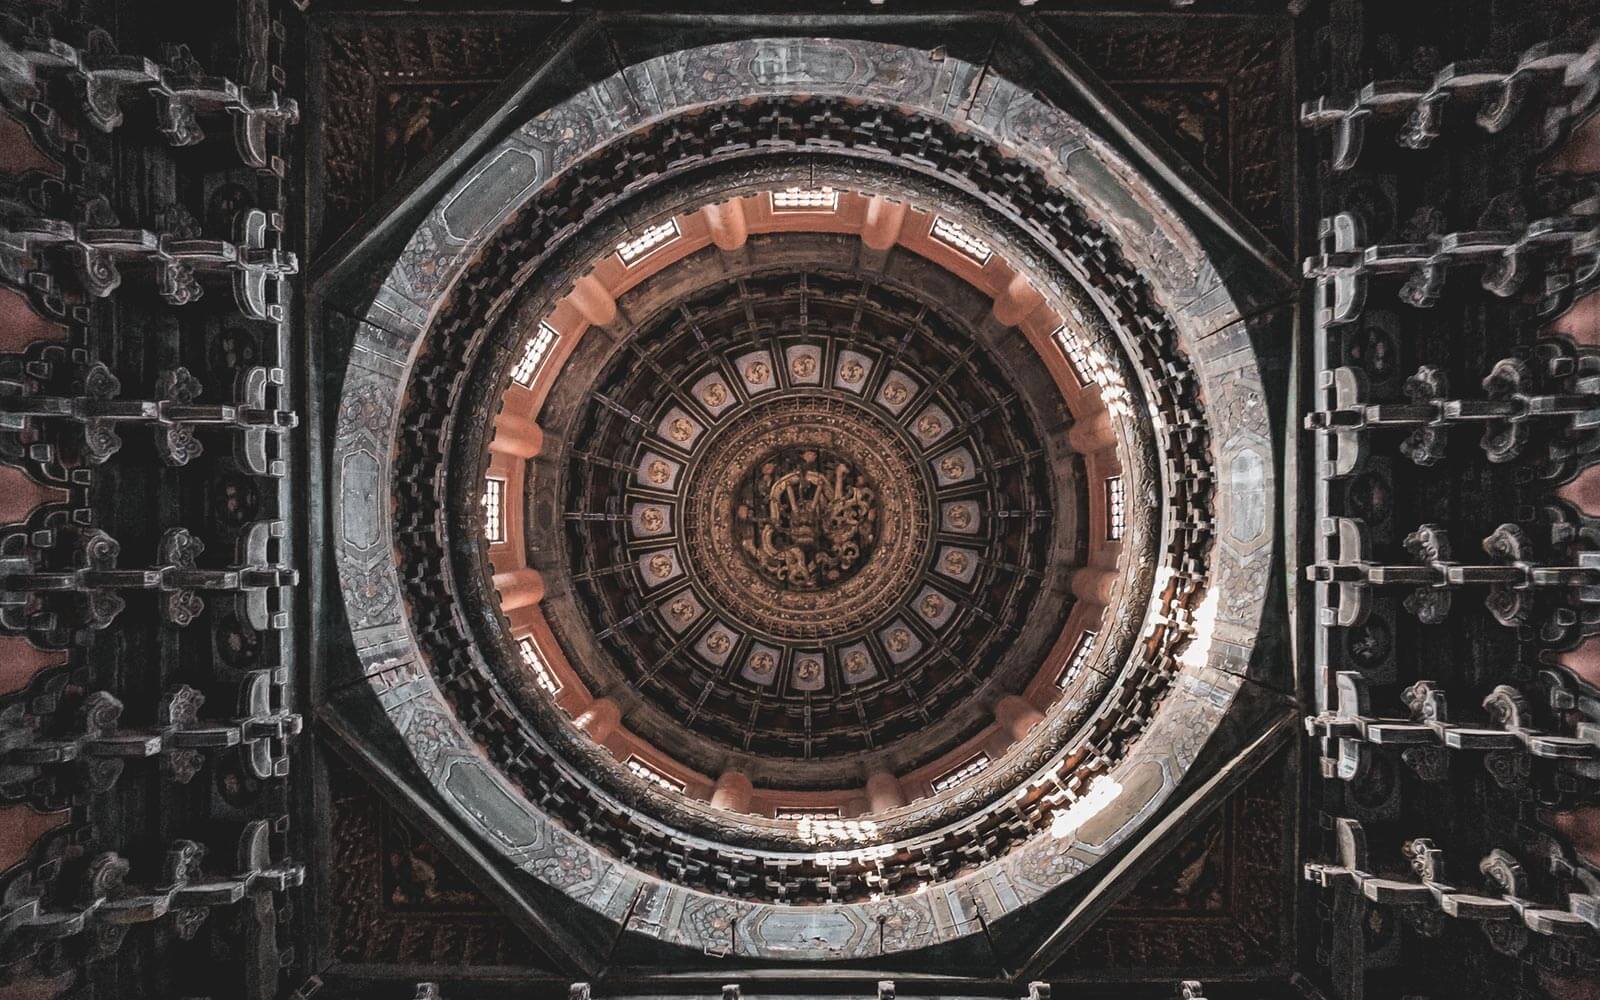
176, 442
810, 519
807, 517
1426, 444
1429, 544
440, 372
1503, 440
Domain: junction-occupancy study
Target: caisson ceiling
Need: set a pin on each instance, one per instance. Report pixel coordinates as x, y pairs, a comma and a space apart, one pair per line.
799, 501
779, 504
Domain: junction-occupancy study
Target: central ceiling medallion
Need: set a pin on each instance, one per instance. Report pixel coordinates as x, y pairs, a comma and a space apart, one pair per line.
807, 517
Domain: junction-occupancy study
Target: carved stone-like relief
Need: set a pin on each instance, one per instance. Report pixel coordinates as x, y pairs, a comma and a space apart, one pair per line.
807, 518
1215, 93
393, 90
395, 897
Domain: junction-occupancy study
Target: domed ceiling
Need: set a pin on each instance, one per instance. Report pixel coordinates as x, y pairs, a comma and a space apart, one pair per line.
839, 518
807, 501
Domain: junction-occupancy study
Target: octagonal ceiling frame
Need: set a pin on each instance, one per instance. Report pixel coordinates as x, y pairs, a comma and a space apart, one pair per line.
575, 42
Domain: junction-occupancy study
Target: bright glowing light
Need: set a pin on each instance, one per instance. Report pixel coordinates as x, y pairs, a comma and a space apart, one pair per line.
653, 238
494, 509
1102, 792
541, 670
821, 830
842, 859
962, 773
533, 355
653, 776
1116, 509
1079, 658
1202, 621
1077, 355
795, 199
954, 236
1090, 366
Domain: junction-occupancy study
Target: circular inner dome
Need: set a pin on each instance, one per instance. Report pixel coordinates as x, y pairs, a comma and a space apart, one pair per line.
836, 526
797, 512
838, 514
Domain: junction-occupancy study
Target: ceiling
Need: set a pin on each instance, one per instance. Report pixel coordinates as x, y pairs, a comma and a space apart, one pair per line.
807, 598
